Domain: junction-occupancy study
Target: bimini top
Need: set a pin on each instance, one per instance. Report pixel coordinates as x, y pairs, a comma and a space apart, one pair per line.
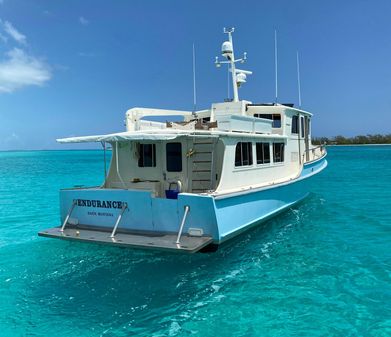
164, 135
122, 136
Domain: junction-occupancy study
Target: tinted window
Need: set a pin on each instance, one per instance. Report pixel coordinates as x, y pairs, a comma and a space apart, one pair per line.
278, 152
174, 157
243, 154
276, 118
263, 153
295, 124
302, 126
147, 155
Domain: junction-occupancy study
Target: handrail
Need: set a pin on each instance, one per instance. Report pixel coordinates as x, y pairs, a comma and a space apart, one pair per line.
74, 202
124, 206
316, 147
187, 209
322, 149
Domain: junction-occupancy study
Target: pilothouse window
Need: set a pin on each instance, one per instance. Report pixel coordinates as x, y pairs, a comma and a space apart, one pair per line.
263, 153
295, 124
244, 154
276, 118
278, 152
174, 157
147, 155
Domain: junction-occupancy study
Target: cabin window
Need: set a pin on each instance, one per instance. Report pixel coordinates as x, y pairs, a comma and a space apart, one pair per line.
302, 126
263, 153
244, 154
278, 152
174, 157
276, 118
147, 155
295, 124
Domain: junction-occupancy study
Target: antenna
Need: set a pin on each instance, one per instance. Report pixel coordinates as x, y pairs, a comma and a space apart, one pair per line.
298, 77
275, 63
194, 81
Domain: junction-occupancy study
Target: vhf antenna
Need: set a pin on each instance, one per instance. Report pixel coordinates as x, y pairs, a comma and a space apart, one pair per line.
276, 63
298, 78
238, 75
194, 82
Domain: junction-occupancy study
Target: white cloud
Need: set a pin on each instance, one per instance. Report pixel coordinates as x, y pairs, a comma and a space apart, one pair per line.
14, 33
83, 21
19, 70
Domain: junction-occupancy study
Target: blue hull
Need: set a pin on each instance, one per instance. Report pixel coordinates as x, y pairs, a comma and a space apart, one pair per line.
219, 217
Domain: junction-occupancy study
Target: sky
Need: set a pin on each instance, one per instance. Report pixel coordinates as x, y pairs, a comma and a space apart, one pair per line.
72, 68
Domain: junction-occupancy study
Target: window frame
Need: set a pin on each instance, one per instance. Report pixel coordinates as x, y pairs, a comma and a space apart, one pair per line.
141, 155
272, 118
171, 168
250, 159
296, 118
262, 146
282, 152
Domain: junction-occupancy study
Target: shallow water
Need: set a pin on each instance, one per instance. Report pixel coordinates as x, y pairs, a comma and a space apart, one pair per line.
322, 268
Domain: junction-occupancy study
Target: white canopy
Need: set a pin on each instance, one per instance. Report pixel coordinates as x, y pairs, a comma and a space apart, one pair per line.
122, 136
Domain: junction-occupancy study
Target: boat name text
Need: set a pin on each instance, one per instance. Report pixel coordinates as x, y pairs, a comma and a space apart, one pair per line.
99, 203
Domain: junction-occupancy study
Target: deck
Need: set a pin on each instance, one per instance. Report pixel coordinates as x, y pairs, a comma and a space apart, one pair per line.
152, 240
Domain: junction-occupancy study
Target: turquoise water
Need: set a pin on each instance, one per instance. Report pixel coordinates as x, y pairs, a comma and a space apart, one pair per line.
320, 269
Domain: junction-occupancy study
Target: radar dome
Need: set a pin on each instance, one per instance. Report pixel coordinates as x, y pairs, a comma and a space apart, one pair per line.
226, 49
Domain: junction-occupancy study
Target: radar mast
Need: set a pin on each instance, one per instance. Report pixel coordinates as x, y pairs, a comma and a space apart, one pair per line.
238, 75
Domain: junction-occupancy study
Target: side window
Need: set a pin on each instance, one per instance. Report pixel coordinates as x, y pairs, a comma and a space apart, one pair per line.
244, 154
302, 126
278, 152
147, 155
263, 153
276, 118
308, 126
174, 157
295, 125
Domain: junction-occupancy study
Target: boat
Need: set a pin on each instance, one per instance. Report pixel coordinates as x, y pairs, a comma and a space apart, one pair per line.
188, 181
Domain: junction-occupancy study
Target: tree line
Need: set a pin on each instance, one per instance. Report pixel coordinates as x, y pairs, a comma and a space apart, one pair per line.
341, 140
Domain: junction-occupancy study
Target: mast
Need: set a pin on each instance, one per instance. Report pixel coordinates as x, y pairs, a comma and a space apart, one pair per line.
238, 75
231, 59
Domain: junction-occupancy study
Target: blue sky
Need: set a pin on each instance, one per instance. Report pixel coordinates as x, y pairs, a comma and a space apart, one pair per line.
74, 67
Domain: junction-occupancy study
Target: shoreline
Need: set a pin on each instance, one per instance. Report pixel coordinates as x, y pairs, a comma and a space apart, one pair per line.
358, 144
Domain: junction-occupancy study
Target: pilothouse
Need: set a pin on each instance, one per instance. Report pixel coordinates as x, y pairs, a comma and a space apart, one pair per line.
189, 186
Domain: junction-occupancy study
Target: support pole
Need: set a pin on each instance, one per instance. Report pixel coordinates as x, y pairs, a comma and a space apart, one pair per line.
124, 206
68, 216
117, 164
187, 209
